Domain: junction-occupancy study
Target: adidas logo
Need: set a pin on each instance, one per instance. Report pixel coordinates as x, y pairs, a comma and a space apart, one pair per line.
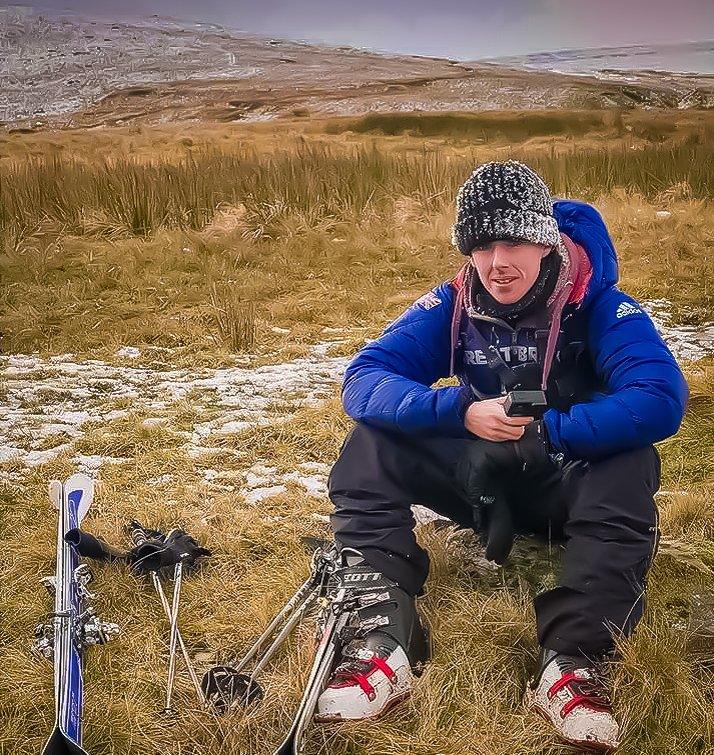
626, 308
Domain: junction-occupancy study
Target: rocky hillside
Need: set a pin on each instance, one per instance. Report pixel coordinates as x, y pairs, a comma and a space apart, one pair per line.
71, 71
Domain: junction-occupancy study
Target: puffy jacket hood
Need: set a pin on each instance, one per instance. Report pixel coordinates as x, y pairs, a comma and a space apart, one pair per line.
583, 224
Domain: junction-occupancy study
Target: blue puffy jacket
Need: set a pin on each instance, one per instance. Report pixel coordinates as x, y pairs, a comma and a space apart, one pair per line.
388, 383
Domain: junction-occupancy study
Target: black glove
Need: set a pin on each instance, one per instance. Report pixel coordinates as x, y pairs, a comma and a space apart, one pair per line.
481, 470
157, 553
535, 452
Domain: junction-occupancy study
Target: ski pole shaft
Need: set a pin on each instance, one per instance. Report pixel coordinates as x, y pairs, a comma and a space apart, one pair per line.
182, 646
178, 571
300, 596
284, 632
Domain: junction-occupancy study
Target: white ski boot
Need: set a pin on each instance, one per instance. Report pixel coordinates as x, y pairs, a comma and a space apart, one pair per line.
382, 642
570, 694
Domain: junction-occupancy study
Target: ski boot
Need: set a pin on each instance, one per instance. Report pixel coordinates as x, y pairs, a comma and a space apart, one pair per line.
381, 647
570, 694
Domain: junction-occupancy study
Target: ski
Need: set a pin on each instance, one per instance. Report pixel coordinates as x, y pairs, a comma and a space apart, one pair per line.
74, 625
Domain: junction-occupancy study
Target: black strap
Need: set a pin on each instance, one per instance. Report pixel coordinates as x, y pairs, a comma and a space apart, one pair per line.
89, 546
494, 360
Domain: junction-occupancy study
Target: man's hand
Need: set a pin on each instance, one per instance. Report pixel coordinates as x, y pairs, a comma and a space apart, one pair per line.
488, 420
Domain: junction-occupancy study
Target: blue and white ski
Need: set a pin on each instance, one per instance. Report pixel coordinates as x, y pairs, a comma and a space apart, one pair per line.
74, 625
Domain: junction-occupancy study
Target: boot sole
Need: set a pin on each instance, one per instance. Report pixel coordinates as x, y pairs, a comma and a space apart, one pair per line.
594, 747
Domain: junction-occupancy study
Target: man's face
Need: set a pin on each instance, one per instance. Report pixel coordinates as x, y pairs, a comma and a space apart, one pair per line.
508, 269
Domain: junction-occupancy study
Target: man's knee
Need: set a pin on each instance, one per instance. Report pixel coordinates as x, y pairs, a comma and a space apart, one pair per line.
365, 455
617, 493
639, 467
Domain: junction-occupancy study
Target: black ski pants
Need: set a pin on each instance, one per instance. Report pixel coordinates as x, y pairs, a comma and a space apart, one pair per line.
603, 510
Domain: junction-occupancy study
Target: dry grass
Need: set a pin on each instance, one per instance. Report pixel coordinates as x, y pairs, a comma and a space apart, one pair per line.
313, 238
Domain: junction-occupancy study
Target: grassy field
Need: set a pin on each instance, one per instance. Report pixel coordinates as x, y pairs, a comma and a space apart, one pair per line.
217, 247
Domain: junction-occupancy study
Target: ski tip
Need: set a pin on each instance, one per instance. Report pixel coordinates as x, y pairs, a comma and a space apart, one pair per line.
79, 480
81, 486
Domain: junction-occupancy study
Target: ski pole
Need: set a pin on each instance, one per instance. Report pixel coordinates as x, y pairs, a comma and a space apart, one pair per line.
284, 632
167, 610
138, 536
299, 599
178, 573
223, 685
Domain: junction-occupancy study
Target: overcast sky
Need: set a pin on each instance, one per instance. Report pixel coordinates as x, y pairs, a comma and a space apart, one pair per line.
463, 29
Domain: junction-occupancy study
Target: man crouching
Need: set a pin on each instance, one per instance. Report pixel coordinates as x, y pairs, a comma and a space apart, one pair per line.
534, 308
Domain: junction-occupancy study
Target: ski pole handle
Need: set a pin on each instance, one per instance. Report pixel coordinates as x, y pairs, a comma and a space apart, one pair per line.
137, 534
147, 554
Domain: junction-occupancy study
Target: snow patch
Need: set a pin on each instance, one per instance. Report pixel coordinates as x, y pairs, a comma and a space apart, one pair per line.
424, 515
35, 458
93, 462
263, 481
692, 342
72, 394
128, 351
315, 485
260, 494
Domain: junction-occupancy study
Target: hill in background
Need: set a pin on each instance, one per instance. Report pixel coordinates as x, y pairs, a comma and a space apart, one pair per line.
66, 70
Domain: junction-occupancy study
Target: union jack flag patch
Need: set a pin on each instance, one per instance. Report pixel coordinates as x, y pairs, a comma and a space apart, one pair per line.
428, 301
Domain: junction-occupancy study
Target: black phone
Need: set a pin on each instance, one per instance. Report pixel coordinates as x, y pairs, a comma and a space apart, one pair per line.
525, 404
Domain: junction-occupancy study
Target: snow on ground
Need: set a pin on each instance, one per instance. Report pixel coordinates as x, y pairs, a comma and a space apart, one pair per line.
49, 404
262, 481
58, 399
692, 342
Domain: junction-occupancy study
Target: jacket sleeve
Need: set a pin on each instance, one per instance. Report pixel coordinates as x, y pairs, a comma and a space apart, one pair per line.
646, 392
387, 384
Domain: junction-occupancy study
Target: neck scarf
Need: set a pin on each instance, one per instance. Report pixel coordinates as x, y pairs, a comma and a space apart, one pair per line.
478, 300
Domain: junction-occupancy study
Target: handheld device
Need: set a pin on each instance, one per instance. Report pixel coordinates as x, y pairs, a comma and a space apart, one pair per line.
525, 404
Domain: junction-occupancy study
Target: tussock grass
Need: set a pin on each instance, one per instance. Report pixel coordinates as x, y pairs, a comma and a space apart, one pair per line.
314, 182
235, 320
207, 248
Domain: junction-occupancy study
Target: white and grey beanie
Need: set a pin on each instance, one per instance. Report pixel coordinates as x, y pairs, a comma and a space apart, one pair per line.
504, 200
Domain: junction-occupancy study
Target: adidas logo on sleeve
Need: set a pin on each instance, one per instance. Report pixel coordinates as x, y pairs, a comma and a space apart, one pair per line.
626, 308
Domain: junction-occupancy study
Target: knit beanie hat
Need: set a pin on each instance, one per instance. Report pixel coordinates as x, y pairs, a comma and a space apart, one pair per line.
504, 200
